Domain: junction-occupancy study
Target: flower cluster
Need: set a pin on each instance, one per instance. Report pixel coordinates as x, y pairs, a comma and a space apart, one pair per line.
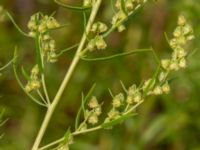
39, 26
94, 111
97, 42
123, 10
182, 34
34, 81
154, 86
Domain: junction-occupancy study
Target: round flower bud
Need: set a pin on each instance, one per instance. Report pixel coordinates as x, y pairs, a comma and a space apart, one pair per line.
181, 20
187, 29
94, 27
98, 111
118, 100
52, 57
35, 70
113, 114
157, 90
32, 34
182, 63
129, 99
173, 43
180, 52
35, 84
28, 88
118, 4
87, 3
93, 119
32, 25
137, 97
174, 65
42, 28
165, 63
132, 89
93, 103
190, 37
129, 5
100, 43
181, 40
166, 88
121, 28
91, 45
162, 76
177, 32
102, 27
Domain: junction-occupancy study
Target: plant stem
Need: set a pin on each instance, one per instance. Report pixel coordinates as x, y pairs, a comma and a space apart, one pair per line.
67, 77
74, 134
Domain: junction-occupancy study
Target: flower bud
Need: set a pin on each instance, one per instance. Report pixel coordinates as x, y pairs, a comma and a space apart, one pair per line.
173, 66
118, 100
35, 84
100, 43
121, 28
91, 45
165, 63
35, 70
181, 20
93, 103
129, 100
182, 63
129, 5
97, 110
162, 76
93, 119
177, 32
137, 97
157, 90
166, 88
113, 114
87, 3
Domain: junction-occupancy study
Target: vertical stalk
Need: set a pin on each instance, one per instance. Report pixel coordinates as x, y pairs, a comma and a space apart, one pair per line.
67, 77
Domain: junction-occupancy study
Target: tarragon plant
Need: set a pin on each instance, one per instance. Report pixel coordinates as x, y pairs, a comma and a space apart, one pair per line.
123, 104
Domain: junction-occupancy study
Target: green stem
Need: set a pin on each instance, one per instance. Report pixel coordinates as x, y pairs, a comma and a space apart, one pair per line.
67, 77
74, 134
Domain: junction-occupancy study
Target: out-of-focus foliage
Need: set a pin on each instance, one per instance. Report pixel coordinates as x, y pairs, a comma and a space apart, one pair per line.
166, 122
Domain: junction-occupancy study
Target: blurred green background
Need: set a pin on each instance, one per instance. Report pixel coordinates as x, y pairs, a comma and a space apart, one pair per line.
168, 122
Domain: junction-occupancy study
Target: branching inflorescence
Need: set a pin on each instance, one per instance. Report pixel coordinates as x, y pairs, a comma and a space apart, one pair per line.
124, 103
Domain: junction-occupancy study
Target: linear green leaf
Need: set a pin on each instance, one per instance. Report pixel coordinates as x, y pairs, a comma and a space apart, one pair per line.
71, 7
24, 73
123, 7
15, 24
38, 53
5, 66
67, 49
116, 55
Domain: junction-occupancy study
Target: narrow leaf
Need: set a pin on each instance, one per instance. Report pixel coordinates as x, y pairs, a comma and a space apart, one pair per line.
77, 120
71, 7
67, 49
39, 56
5, 66
15, 24
116, 55
24, 73
123, 7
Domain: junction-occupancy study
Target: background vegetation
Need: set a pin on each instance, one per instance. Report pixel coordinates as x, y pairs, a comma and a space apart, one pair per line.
168, 122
